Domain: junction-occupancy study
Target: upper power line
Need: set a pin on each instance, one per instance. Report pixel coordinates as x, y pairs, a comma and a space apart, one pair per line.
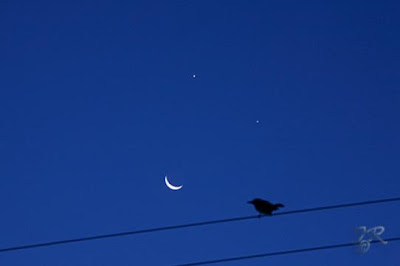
172, 227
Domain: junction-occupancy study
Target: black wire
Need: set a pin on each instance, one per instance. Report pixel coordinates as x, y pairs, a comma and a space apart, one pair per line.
340, 206
285, 252
150, 230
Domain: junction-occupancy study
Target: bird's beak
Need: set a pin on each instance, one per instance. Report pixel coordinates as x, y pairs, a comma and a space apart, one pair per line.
249, 202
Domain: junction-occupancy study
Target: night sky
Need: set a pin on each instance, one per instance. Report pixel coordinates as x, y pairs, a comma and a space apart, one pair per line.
295, 102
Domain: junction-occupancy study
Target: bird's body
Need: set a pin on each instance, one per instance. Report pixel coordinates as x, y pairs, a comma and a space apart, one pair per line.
265, 207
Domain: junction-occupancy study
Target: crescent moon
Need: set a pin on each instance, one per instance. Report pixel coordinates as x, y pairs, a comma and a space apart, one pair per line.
172, 186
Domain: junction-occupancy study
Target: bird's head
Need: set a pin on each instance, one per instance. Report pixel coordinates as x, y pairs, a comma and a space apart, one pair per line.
254, 201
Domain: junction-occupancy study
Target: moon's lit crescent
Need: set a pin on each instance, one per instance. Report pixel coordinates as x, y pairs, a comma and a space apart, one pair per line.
172, 186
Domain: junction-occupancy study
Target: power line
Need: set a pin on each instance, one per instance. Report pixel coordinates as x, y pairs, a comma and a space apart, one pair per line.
284, 252
346, 205
165, 228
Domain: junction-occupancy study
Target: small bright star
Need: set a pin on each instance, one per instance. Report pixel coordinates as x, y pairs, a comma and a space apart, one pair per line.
194, 76
257, 121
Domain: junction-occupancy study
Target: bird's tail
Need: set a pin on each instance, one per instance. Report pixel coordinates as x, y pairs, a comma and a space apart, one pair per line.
279, 205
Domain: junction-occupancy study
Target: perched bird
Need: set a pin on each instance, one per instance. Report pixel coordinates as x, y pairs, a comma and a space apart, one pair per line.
265, 207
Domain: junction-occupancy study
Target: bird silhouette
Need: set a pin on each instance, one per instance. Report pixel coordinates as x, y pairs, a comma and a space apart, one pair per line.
265, 207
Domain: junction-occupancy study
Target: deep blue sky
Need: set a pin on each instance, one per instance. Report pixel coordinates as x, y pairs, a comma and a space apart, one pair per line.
98, 104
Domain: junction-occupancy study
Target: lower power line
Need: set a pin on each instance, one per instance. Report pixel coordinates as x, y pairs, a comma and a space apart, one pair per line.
285, 252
